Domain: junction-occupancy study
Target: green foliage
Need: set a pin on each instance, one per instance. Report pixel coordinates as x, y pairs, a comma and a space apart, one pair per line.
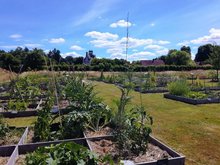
178, 58
73, 125
150, 82
102, 77
3, 128
99, 117
198, 83
203, 53
215, 59
44, 120
179, 88
139, 130
65, 154
17, 105
80, 95
132, 129
196, 95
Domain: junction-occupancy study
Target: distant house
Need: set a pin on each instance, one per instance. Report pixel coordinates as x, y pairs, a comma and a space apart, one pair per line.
89, 57
152, 62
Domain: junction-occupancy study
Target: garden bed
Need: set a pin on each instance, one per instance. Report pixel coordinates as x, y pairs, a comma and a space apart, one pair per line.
12, 137
157, 151
103, 132
192, 101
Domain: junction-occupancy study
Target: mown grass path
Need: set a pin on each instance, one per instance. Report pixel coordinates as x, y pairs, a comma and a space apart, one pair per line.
191, 130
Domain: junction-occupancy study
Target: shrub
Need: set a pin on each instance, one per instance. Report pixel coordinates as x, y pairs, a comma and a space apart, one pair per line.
179, 88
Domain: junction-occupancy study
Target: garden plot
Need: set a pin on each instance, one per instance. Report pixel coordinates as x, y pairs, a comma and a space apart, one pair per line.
130, 129
180, 91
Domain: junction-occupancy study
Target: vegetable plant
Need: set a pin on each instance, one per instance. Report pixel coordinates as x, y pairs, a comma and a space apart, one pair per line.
65, 154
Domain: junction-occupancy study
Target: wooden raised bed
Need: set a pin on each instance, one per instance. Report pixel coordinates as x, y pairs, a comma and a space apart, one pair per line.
174, 158
192, 101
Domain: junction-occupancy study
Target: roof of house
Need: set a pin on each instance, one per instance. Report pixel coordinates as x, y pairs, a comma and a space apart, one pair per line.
152, 62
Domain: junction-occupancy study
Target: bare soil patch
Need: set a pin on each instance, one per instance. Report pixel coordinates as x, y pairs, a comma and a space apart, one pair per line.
103, 147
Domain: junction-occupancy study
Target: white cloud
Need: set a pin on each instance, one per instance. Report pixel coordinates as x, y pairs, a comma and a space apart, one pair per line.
102, 36
56, 40
16, 36
184, 43
73, 54
32, 45
153, 47
121, 23
161, 42
9, 46
143, 55
163, 51
116, 46
213, 37
76, 47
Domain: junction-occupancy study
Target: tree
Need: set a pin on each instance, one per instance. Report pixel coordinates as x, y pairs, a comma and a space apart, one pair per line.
178, 58
35, 59
186, 49
8, 61
55, 55
215, 59
203, 53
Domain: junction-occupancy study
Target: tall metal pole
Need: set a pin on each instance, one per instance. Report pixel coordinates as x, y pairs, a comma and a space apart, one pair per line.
127, 37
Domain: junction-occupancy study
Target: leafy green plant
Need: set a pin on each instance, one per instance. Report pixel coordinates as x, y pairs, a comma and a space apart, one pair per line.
81, 95
150, 82
17, 105
196, 95
132, 128
3, 128
139, 130
44, 120
74, 124
179, 88
65, 154
99, 117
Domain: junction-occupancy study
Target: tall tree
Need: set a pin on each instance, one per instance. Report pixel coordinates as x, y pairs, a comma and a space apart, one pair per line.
35, 59
203, 53
215, 59
55, 54
186, 49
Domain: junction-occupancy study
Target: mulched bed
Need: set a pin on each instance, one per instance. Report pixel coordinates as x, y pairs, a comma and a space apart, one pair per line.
12, 137
20, 160
3, 160
104, 146
102, 132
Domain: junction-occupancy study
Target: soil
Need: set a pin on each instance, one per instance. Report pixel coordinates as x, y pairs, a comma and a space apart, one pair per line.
102, 132
3, 160
12, 137
20, 160
30, 136
103, 147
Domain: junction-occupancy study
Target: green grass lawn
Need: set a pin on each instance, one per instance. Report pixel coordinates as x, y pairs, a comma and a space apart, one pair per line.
191, 130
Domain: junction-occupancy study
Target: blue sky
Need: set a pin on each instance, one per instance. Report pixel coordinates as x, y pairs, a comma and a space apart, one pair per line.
74, 26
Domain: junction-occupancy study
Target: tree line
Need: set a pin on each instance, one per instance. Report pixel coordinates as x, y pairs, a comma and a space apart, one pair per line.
24, 59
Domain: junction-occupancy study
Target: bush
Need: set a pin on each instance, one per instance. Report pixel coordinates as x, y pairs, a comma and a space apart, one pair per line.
179, 88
